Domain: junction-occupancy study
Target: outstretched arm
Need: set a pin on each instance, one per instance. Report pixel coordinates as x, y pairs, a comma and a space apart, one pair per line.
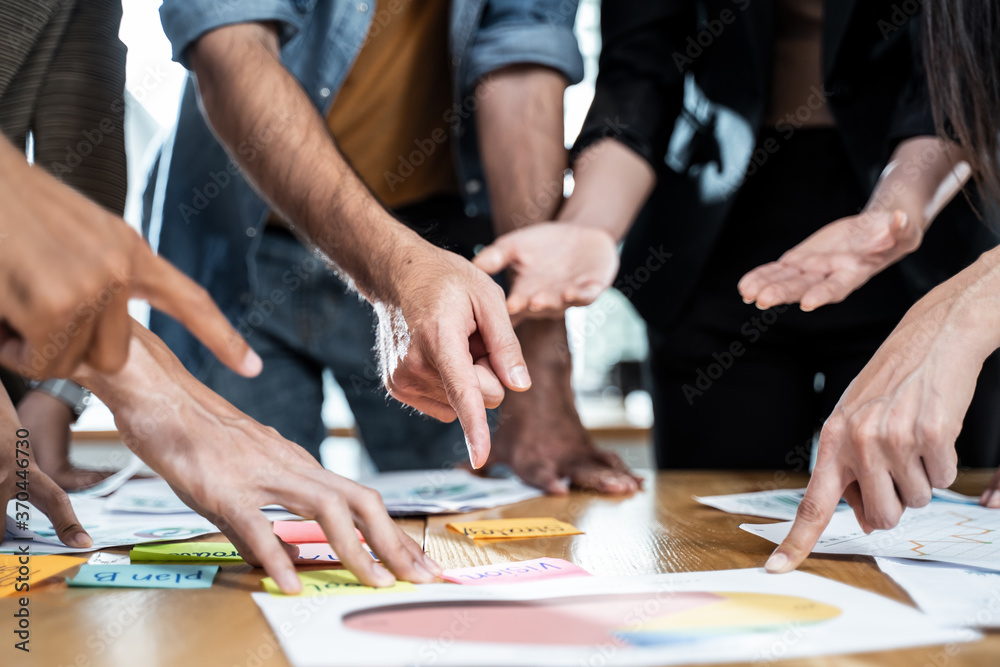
446, 343
924, 175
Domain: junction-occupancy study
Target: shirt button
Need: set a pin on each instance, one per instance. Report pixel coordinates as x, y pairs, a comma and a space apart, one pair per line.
473, 186
324, 92
363, 7
251, 232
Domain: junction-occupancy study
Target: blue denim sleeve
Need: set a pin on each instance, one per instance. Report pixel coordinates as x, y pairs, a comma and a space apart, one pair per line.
184, 21
538, 32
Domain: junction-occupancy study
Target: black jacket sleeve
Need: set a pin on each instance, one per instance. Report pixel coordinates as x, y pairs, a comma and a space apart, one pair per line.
913, 116
640, 86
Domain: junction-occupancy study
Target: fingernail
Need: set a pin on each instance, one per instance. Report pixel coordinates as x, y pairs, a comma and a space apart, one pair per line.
80, 540
776, 563
382, 576
288, 582
746, 301
252, 363
994, 500
519, 376
985, 497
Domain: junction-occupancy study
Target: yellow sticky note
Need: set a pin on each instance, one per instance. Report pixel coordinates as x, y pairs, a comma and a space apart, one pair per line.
186, 552
335, 582
37, 568
514, 529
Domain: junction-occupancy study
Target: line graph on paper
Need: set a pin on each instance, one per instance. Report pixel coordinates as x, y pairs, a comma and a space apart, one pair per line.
965, 535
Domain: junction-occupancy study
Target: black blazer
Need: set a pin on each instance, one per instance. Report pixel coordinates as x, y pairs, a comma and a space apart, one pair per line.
686, 84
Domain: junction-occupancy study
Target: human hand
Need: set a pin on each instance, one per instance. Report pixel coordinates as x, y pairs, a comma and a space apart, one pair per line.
71, 267
21, 480
552, 266
227, 466
891, 437
540, 435
834, 261
49, 419
445, 342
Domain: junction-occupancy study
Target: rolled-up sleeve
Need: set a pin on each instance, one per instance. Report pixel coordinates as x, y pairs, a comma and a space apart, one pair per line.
184, 21
640, 86
514, 32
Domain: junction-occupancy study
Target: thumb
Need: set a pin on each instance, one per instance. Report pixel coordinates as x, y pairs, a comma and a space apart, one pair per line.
496, 257
814, 513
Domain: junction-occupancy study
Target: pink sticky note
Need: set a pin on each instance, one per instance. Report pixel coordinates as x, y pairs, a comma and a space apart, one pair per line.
303, 532
314, 554
513, 573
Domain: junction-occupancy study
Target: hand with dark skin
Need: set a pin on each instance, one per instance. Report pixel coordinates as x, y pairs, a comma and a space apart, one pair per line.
68, 268
19, 474
49, 419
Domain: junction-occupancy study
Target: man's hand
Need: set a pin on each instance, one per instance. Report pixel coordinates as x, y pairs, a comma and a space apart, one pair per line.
891, 437
552, 267
49, 419
21, 479
834, 261
540, 435
226, 466
446, 345
991, 496
69, 267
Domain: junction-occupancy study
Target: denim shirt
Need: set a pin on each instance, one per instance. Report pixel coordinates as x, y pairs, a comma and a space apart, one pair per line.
206, 219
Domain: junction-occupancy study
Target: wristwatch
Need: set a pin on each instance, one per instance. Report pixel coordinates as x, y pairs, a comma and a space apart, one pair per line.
67, 391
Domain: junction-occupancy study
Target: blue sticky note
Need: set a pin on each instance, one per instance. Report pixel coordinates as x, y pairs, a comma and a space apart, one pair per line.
166, 575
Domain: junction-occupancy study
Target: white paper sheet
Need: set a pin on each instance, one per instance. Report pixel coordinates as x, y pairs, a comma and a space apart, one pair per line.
782, 503
947, 532
664, 619
154, 496
111, 484
446, 491
951, 594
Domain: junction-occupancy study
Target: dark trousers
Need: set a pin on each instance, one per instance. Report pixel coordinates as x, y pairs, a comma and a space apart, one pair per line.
736, 387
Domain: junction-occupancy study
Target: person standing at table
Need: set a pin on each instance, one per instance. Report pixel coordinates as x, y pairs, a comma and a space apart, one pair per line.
785, 125
440, 114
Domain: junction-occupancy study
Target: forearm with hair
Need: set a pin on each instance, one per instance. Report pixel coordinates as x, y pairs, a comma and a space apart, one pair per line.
271, 128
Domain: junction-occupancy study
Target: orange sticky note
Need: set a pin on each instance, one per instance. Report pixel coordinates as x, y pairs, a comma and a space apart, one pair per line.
38, 568
514, 529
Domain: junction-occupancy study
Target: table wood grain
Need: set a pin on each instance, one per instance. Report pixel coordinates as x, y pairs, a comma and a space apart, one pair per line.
661, 529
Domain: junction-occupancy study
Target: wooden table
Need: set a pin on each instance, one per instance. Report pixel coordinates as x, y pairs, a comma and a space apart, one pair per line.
659, 530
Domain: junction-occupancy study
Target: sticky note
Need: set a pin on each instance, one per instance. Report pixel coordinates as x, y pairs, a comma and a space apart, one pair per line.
303, 532
18, 570
513, 573
335, 582
513, 529
201, 552
145, 576
310, 554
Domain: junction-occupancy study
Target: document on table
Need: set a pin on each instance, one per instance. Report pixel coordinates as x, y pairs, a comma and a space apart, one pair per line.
446, 491
111, 484
782, 503
739, 616
950, 594
947, 532
154, 496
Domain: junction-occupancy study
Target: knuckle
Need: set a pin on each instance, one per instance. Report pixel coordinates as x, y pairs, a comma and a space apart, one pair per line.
809, 511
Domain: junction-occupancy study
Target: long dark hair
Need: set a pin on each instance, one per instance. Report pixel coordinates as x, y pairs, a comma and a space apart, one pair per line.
962, 60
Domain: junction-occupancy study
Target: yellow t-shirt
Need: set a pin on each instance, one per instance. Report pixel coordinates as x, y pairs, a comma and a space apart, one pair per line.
388, 117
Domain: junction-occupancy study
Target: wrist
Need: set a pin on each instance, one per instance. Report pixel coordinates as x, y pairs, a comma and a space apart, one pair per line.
975, 315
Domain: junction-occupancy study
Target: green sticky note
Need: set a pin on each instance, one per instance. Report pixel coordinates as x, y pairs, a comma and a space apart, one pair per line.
336, 582
188, 552
145, 576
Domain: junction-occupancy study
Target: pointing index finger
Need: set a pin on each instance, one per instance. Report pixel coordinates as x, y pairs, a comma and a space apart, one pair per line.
814, 513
